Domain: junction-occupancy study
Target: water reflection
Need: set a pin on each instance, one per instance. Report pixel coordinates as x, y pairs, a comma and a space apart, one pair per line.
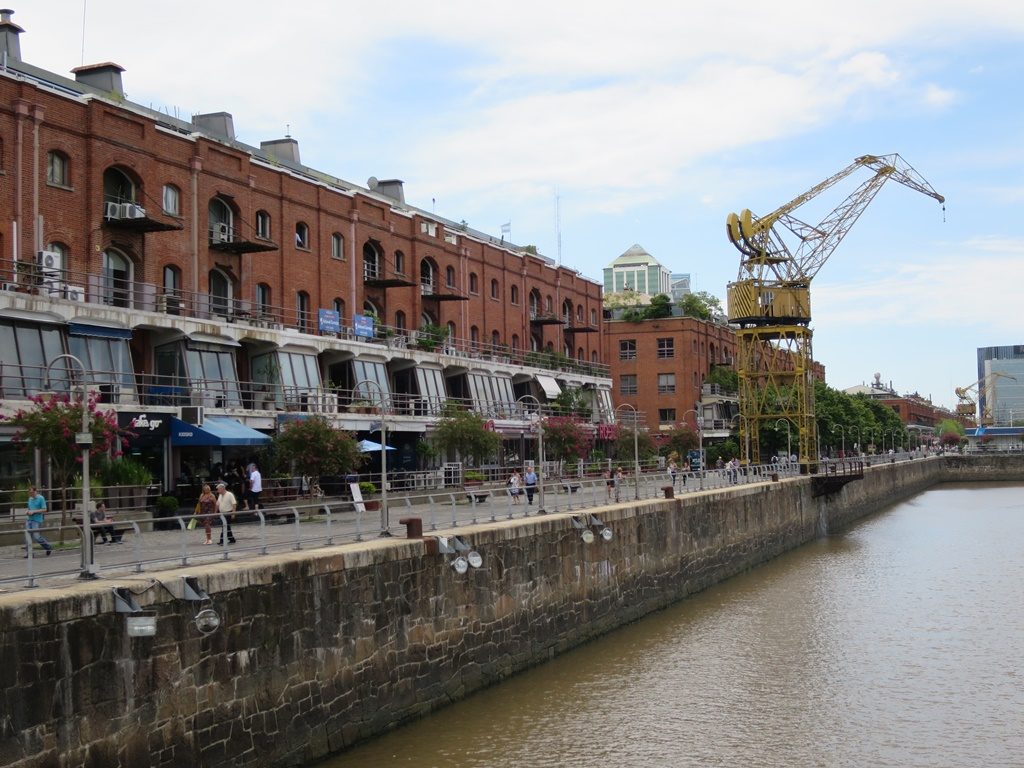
896, 643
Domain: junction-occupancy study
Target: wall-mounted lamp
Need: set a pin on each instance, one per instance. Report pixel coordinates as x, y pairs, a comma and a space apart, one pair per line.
587, 525
466, 556
206, 620
138, 623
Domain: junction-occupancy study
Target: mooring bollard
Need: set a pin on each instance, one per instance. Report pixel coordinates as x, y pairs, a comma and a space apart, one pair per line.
413, 527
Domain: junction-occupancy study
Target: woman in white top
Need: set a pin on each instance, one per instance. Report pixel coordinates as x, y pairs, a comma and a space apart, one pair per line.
514, 486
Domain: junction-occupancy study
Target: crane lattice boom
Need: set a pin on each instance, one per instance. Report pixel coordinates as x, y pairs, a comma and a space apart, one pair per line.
770, 300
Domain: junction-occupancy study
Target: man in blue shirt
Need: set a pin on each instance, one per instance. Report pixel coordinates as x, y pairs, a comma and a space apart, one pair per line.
530, 478
36, 514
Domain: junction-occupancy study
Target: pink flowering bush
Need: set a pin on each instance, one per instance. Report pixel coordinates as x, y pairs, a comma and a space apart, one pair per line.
51, 423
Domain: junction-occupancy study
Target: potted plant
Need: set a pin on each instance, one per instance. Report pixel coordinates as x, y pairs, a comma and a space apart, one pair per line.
472, 478
368, 490
429, 336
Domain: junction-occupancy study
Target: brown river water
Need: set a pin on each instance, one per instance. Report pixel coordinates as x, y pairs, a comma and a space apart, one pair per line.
899, 642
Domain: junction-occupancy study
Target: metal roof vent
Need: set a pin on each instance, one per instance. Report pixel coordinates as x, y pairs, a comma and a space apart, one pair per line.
388, 187
105, 77
218, 124
10, 44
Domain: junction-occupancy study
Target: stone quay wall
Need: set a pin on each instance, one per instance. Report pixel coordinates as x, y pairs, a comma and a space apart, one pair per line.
320, 649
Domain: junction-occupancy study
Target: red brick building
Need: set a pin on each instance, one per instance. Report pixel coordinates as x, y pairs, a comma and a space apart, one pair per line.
238, 279
659, 367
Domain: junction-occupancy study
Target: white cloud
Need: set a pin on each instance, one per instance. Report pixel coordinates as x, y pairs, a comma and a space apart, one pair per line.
934, 96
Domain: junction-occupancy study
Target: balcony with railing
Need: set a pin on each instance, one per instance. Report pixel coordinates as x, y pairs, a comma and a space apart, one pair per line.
24, 282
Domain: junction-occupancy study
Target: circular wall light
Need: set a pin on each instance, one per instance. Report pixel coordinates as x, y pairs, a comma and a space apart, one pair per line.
207, 621
587, 536
474, 559
460, 564
606, 534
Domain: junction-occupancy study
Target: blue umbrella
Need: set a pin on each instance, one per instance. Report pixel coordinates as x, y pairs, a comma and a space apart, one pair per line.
368, 446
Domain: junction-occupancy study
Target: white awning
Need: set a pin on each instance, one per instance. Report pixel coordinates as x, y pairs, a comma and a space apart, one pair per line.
549, 385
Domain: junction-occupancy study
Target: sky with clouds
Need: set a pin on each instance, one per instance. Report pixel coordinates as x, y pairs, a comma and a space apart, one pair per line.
639, 123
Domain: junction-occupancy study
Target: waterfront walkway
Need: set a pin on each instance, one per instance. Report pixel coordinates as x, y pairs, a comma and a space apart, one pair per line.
328, 522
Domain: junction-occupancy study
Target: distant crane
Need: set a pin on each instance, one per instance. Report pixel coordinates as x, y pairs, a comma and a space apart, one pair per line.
771, 303
967, 407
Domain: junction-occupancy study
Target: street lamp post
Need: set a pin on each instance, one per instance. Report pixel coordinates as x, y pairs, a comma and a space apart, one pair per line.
636, 451
385, 523
84, 441
789, 439
540, 451
700, 441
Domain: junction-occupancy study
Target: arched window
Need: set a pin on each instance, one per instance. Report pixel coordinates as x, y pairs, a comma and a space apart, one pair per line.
549, 305
58, 169
534, 303
593, 356
514, 295
262, 225
171, 200
302, 235
302, 311
567, 312
495, 339
337, 246
495, 290
116, 279
428, 276
515, 341
371, 261
339, 306
221, 293
400, 320
593, 317
474, 336
473, 287
451, 331
579, 314
449, 277
170, 302
580, 355
263, 297
427, 319
399, 263
118, 187
222, 221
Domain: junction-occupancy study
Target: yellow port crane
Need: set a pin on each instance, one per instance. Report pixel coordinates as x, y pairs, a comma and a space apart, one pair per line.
770, 301
967, 407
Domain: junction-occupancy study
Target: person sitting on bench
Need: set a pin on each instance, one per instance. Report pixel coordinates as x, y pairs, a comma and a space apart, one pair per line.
102, 525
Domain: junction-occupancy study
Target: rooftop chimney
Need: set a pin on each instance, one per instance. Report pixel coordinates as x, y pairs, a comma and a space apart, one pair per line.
282, 149
10, 45
219, 124
105, 77
388, 187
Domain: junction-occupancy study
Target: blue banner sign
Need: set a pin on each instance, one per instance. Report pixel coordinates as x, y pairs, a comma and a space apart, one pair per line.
330, 321
363, 325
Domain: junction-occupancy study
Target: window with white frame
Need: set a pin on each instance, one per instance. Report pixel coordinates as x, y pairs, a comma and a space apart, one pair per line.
666, 383
627, 384
172, 200
262, 225
337, 246
627, 349
666, 348
58, 169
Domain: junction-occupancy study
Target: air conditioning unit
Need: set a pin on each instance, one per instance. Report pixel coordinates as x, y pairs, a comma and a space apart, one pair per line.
220, 233
8, 286
74, 293
112, 210
49, 260
193, 414
132, 211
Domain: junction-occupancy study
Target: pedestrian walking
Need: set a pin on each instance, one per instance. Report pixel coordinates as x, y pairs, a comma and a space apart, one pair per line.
531, 484
227, 504
255, 486
609, 483
206, 508
673, 470
515, 482
620, 478
36, 516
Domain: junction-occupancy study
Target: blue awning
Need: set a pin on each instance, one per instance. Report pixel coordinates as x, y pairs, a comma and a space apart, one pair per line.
98, 331
216, 430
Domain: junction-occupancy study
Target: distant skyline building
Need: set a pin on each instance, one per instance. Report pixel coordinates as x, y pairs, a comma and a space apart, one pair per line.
1001, 393
679, 285
636, 270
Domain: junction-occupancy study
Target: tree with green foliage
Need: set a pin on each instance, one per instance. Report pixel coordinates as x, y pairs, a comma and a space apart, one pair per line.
312, 447
660, 306
465, 433
700, 304
622, 448
950, 432
679, 441
724, 376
